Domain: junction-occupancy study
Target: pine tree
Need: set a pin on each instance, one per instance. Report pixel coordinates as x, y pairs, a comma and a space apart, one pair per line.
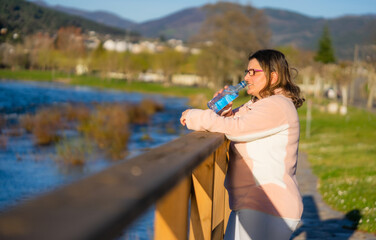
325, 53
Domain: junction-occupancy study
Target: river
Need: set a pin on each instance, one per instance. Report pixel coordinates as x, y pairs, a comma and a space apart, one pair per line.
27, 170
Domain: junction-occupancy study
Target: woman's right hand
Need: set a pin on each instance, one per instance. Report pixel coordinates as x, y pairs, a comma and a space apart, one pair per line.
228, 106
220, 91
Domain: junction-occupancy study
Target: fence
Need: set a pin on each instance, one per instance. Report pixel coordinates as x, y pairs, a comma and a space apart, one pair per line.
184, 178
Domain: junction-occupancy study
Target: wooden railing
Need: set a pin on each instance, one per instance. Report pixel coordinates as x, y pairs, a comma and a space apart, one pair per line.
184, 175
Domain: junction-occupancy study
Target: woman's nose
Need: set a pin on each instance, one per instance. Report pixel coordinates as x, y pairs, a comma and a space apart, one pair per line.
246, 77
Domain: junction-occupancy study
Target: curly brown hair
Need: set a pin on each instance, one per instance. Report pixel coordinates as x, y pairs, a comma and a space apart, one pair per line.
274, 61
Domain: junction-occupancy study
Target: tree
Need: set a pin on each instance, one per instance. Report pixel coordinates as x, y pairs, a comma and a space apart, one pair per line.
169, 62
40, 47
231, 32
70, 41
325, 53
104, 61
341, 74
371, 84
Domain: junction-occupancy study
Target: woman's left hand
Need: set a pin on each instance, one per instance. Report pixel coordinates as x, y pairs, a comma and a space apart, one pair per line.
183, 117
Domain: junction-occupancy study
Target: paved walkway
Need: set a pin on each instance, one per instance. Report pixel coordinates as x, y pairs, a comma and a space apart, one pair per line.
319, 221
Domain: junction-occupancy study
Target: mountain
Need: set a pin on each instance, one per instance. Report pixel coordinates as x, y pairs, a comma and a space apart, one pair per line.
181, 25
25, 18
287, 27
101, 17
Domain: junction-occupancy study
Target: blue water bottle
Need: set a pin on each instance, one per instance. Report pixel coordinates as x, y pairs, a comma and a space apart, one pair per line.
228, 95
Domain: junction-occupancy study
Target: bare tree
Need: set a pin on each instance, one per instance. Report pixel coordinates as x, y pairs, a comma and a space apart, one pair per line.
40, 48
364, 72
230, 33
342, 76
70, 44
371, 84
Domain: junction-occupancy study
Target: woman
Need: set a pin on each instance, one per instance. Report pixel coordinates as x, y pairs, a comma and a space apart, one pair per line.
264, 133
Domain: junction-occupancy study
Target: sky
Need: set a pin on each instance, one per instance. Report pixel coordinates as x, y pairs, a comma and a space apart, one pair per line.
144, 10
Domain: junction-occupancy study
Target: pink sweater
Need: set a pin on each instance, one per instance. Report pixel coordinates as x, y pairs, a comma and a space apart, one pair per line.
263, 155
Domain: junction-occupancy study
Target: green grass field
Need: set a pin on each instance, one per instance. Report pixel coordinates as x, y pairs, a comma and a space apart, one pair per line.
341, 149
342, 153
34, 75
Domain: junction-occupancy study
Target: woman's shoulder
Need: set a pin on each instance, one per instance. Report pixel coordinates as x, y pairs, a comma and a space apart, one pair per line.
277, 103
276, 99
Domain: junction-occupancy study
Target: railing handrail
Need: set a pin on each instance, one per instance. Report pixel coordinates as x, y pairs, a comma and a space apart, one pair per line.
101, 205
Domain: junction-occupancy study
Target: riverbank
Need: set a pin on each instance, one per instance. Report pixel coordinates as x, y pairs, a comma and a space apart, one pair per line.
114, 84
198, 96
33, 112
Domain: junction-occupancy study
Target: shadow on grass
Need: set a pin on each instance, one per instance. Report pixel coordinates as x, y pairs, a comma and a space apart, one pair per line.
312, 227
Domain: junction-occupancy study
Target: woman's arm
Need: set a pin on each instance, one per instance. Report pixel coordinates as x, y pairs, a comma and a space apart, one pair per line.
264, 118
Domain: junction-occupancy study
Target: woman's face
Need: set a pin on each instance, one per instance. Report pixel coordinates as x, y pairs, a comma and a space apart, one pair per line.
256, 82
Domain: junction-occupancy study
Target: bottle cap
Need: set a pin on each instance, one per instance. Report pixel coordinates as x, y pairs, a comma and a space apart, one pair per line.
243, 83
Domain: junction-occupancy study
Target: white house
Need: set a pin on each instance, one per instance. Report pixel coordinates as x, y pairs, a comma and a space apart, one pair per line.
109, 45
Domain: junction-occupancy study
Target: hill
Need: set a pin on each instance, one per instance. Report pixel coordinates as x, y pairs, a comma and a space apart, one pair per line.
102, 17
287, 27
295, 29
181, 25
25, 18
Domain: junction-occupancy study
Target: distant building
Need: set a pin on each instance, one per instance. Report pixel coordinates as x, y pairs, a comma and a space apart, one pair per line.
145, 46
118, 46
151, 77
81, 69
109, 45
187, 80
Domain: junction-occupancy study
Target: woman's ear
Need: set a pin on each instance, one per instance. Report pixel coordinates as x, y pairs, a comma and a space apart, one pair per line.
274, 78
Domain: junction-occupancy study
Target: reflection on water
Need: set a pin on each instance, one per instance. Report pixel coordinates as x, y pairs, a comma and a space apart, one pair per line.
27, 170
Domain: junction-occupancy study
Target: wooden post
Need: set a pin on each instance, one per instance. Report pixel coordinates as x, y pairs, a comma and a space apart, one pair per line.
353, 76
227, 201
171, 216
220, 206
309, 118
209, 200
201, 200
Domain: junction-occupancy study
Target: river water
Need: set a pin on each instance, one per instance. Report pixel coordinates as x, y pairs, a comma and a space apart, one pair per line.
27, 170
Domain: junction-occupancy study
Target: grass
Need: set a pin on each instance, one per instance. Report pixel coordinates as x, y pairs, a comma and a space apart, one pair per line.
342, 153
34, 75
135, 86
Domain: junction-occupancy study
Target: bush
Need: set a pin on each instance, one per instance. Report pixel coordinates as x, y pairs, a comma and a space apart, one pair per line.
2, 122
27, 122
46, 124
3, 141
140, 114
77, 112
108, 127
72, 152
